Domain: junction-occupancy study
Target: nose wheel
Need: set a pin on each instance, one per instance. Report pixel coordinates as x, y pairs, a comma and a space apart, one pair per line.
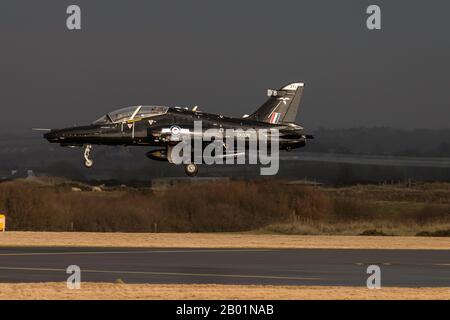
191, 169
88, 162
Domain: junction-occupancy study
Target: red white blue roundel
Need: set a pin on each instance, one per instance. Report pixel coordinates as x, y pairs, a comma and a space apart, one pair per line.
175, 130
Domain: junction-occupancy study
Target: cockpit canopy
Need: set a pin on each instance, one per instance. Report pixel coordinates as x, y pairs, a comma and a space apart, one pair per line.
131, 113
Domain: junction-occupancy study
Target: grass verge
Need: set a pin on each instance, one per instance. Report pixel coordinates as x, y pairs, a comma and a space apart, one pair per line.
119, 291
216, 240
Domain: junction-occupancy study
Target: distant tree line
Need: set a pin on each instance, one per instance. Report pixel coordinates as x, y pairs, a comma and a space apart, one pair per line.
383, 141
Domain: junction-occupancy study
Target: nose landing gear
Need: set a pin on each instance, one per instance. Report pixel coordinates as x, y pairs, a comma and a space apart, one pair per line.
88, 162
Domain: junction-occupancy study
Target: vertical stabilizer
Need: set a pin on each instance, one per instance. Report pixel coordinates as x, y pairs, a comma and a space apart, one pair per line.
282, 105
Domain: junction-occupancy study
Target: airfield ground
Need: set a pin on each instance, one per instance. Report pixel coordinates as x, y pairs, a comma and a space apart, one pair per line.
58, 290
120, 290
387, 216
216, 240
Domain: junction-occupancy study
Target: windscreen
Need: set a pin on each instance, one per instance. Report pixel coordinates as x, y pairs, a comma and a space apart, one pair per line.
102, 120
122, 114
135, 112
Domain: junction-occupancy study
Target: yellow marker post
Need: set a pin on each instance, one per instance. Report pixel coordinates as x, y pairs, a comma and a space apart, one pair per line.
2, 223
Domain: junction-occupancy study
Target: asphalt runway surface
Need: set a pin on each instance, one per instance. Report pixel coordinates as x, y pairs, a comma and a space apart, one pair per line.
322, 267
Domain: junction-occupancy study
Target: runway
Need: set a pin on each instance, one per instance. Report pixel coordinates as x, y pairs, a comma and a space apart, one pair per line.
322, 267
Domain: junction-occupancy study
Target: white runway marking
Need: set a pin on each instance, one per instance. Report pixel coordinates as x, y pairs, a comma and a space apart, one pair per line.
130, 252
168, 273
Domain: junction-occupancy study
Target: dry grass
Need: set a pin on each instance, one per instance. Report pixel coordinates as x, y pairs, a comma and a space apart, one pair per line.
210, 291
349, 228
216, 240
430, 192
232, 206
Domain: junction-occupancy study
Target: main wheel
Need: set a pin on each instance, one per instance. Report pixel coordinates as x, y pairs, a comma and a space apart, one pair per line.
88, 163
191, 169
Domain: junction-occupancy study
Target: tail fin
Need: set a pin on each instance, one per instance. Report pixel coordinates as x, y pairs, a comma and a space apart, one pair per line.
282, 105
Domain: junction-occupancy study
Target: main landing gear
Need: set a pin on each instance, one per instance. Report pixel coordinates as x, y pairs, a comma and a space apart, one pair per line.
191, 169
88, 162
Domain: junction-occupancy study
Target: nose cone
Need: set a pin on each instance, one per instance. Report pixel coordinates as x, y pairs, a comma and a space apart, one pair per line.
52, 136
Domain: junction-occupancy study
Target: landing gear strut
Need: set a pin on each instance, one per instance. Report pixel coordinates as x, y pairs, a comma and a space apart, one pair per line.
88, 162
191, 169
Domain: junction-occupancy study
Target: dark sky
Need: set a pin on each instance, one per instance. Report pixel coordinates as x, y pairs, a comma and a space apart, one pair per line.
222, 56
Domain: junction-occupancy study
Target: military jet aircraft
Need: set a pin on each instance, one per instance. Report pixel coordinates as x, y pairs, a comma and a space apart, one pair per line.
155, 126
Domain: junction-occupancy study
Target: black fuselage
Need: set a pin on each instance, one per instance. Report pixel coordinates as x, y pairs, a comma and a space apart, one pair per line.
152, 131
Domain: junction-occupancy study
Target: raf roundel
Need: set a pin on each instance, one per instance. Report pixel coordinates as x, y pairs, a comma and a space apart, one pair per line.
175, 130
